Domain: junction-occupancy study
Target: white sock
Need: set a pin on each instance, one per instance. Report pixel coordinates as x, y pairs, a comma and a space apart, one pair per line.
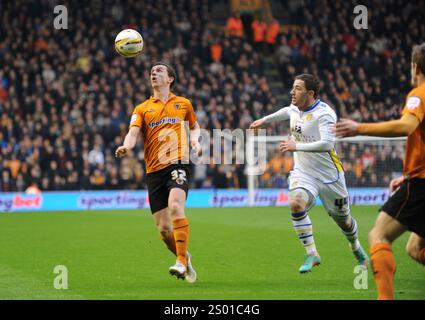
304, 229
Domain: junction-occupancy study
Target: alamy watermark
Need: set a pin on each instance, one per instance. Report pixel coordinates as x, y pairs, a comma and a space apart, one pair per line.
61, 20
61, 280
361, 20
223, 147
361, 278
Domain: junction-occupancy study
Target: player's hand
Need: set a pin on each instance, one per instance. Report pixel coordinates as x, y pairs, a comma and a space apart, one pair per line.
289, 145
395, 183
196, 147
121, 152
257, 124
346, 128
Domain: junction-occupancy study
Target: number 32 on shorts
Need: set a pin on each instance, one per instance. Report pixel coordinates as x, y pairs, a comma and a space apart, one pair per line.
179, 175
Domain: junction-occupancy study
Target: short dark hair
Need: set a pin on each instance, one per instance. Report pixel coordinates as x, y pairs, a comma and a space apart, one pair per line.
170, 70
310, 82
418, 56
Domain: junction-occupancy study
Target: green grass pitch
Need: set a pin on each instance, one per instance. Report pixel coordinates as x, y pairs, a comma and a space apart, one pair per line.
239, 253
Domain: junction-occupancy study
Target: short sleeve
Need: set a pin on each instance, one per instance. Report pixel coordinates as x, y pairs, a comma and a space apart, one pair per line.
190, 115
136, 118
415, 105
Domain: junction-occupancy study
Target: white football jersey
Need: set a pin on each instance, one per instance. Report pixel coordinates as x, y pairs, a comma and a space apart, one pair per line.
312, 125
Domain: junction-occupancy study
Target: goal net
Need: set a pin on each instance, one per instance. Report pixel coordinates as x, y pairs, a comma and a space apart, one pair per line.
368, 162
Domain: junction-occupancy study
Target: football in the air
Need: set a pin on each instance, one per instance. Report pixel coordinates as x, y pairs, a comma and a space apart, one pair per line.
129, 43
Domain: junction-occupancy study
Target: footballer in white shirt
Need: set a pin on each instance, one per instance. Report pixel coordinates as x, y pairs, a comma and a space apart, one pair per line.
317, 169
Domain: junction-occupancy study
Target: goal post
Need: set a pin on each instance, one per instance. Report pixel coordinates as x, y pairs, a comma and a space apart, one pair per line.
369, 162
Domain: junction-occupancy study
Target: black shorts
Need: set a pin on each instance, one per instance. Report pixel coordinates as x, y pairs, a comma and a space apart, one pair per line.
407, 205
162, 181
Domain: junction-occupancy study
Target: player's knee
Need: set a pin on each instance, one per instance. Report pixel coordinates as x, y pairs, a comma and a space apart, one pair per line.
412, 250
376, 236
296, 205
175, 207
372, 236
298, 199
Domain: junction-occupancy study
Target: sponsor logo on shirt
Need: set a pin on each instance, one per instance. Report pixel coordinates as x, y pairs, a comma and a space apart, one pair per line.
133, 118
163, 121
297, 129
413, 103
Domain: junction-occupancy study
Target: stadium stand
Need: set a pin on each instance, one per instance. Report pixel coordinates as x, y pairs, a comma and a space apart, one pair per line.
66, 97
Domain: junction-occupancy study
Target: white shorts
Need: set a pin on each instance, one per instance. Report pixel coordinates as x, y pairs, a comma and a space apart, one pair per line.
334, 196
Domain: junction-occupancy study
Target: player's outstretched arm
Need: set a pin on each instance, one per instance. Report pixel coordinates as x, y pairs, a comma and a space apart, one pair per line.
404, 126
317, 146
282, 114
129, 142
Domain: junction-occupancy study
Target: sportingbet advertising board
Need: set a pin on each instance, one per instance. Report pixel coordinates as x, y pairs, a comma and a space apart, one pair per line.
108, 200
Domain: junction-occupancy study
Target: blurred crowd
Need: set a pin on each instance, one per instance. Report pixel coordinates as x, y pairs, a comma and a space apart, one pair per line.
66, 97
